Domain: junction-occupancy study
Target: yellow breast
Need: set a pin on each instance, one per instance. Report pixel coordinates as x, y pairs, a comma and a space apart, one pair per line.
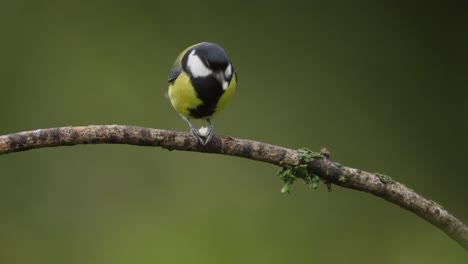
184, 97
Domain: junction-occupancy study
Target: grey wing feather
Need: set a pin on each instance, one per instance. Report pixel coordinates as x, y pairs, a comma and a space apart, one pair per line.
175, 71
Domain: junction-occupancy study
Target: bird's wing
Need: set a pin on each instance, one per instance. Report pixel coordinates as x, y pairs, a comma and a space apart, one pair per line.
177, 68
175, 71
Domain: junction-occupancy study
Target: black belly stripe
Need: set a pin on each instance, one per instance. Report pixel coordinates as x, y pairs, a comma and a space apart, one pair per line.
209, 90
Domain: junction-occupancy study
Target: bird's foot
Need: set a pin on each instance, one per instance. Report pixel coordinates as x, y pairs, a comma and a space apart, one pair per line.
207, 133
196, 135
210, 132
203, 132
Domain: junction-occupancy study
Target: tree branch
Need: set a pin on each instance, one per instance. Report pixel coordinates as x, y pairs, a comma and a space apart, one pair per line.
331, 172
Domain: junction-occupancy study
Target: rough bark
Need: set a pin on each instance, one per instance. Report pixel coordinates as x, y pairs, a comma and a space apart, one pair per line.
330, 172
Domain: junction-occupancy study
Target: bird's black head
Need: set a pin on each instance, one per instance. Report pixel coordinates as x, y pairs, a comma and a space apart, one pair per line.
208, 61
213, 56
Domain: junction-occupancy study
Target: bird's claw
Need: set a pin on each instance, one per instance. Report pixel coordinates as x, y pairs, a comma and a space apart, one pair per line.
198, 136
210, 134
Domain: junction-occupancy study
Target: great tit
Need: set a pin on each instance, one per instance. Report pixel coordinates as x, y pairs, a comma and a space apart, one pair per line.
201, 82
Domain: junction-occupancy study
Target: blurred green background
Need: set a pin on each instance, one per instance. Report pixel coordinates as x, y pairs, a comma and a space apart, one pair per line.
380, 85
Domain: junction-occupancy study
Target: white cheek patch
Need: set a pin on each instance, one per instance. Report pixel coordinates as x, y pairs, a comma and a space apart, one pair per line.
225, 85
228, 71
196, 66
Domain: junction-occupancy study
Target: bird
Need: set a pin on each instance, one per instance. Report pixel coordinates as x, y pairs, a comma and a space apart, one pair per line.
201, 83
